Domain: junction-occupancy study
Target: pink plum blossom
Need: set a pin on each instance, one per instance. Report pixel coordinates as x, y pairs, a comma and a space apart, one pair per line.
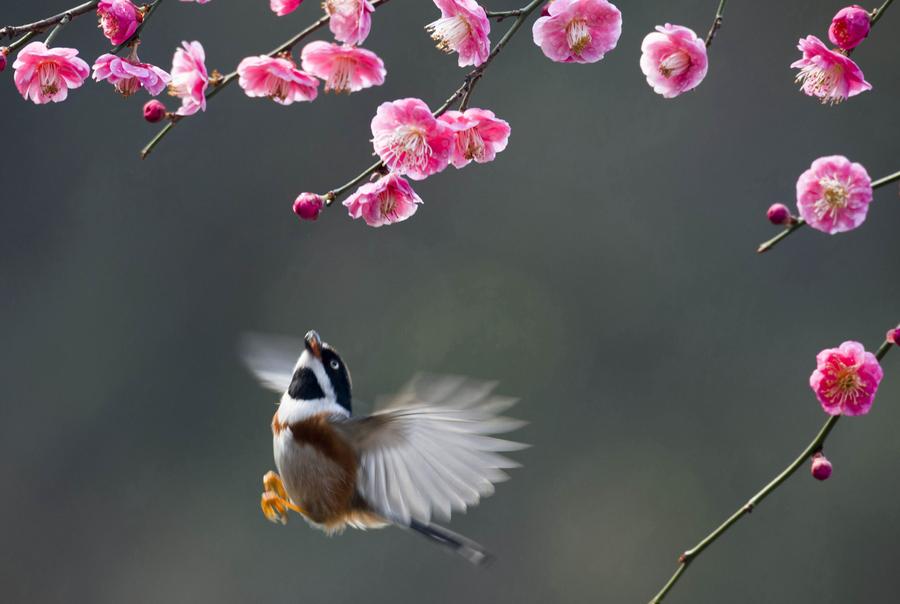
578, 31
827, 74
674, 60
45, 75
833, 196
284, 7
119, 19
276, 78
463, 28
849, 27
350, 20
477, 134
820, 468
846, 379
410, 140
388, 200
130, 75
344, 68
308, 206
189, 78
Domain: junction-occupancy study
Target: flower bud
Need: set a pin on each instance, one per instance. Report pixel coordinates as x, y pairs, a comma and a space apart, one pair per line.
821, 467
849, 27
308, 206
3, 51
778, 213
893, 336
154, 111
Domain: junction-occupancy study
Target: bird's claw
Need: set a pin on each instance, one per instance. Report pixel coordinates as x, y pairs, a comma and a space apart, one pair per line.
275, 502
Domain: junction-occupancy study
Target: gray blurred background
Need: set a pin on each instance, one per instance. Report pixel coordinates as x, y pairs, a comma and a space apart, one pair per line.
603, 269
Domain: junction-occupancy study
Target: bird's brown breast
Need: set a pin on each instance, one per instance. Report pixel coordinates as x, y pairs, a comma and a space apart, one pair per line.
320, 471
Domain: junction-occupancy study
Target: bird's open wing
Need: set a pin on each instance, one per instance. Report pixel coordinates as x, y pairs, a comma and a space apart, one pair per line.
429, 452
271, 358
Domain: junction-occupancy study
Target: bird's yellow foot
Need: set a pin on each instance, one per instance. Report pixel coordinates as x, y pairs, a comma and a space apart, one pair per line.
275, 502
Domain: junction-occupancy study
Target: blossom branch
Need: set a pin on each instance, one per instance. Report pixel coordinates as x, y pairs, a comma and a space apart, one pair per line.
797, 223
814, 447
717, 23
223, 81
876, 14
464, 92
43, 25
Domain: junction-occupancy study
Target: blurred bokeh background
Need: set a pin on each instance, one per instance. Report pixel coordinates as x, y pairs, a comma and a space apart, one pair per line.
603, 269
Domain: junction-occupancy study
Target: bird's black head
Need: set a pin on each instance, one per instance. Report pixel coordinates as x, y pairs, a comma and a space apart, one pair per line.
321, 375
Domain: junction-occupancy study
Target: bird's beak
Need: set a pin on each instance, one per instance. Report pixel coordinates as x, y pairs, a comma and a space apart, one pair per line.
314, 344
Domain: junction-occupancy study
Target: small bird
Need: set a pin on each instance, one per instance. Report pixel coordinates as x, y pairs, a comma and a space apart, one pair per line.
424, 454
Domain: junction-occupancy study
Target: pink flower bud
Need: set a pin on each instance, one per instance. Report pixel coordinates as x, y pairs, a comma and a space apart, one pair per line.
821, 467
154, 111
3, 51
849, 27
308, 206
893, 336
778, 213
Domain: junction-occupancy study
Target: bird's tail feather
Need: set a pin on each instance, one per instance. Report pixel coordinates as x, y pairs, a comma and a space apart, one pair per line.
462, 546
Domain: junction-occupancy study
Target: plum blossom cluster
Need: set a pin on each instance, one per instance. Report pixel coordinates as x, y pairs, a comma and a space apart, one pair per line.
829, 73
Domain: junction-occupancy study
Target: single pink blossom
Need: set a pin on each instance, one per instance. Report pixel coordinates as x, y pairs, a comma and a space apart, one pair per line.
119, 19
833, 196
820, 467
477, 134
308, 206
464, 29
578, 31
189, 78
827, 74
674, 60
846, 379
154, 111
45, 75
344, 68
849, 27
284, 7
350, 20
129, 75
388, 200
410, 140
778, 213
276, 78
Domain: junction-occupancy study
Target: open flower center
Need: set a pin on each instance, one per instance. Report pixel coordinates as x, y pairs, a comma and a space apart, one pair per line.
847, 385
48, 73
109, 24
342, 7
128, 86
278, 88
674, 64
387, 203
835, 197
408, 147
470, 144
341, 76
823, 83
578, 35
449, 32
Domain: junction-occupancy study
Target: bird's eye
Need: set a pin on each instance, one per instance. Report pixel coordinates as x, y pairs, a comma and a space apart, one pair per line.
335, 364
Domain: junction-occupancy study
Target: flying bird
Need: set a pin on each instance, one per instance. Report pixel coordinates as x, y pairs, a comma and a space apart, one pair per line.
427, 452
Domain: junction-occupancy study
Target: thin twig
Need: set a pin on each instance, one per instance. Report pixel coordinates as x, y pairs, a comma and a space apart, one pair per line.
464, 92
11, 31
768, 245
876, 14
228, 79
63, 22
716, 24
811, 449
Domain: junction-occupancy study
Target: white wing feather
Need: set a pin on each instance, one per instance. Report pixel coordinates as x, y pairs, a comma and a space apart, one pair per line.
429, 451
271, 358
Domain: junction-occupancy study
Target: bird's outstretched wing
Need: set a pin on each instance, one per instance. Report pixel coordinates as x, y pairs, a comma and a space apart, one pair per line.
429, 452
271, 358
